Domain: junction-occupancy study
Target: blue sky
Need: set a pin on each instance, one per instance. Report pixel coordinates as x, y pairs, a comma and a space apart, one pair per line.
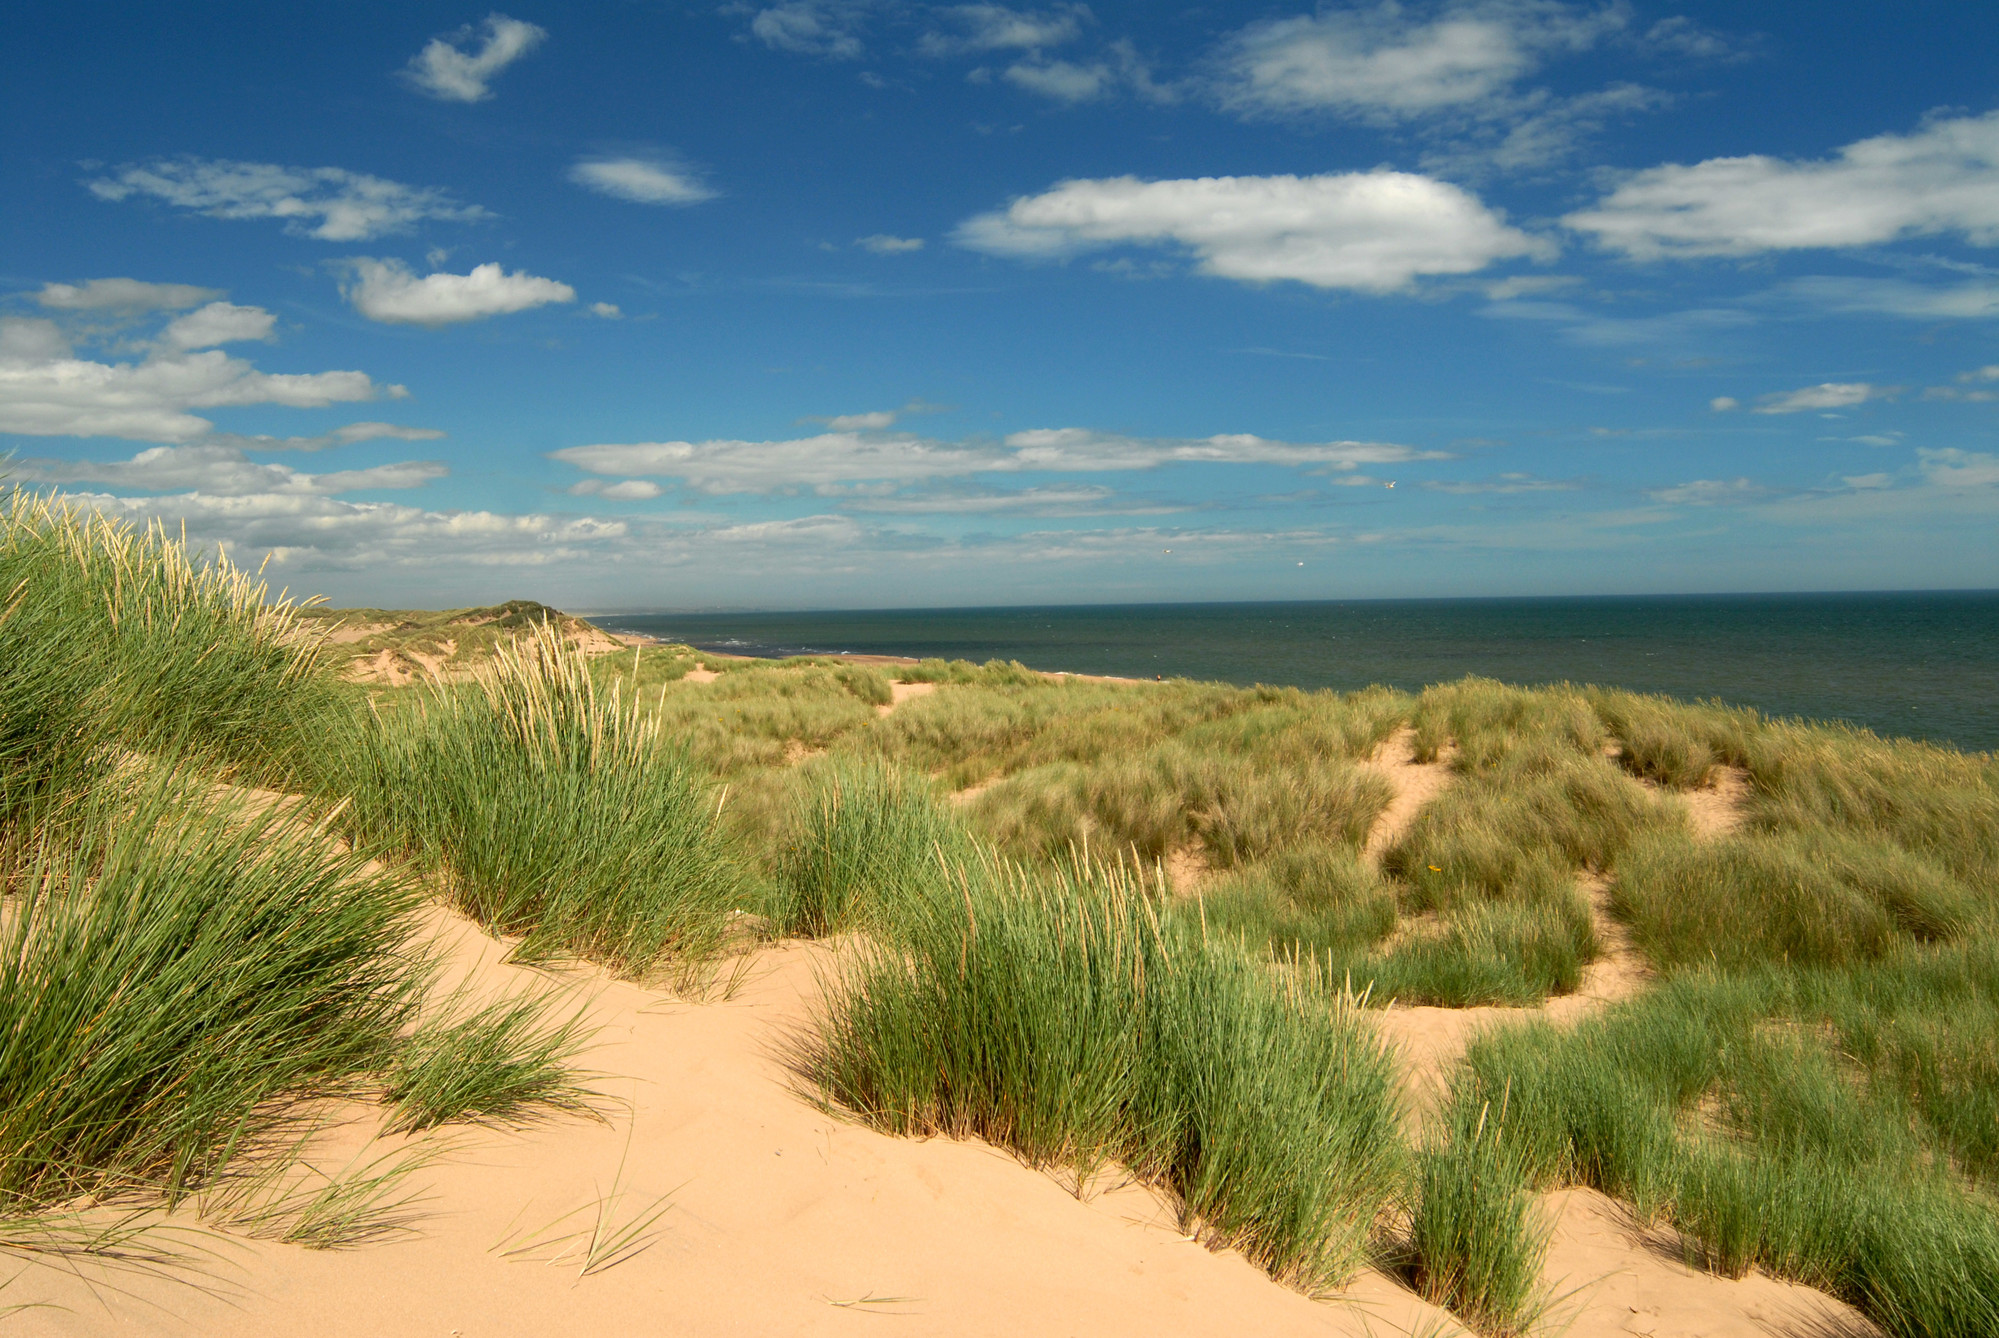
863, 303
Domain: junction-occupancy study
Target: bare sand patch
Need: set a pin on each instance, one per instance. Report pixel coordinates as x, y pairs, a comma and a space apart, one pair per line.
1187, 870
784, 1219
1416, 784
1719, 807
1626, 1278
900, 692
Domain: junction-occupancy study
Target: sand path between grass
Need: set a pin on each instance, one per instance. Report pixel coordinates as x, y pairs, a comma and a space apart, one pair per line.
784, 1219
1414, 784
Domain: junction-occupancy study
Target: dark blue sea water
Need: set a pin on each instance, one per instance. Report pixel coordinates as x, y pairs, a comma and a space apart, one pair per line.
1924, 665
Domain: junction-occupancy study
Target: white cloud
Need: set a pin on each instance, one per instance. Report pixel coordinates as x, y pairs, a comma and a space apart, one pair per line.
1385, 64
45, 390
1942, 179
1064, 500
324, 532
329, 203
220, 470
1073, 83
1529, 133
1869, 481
1976, 300
873, 421
811, 28
1825, 395
1724, 403
445, 72
218, 323
386, 290
627, 490
1372, 231
882, 244
998, 28
1959, 469
1711, 492
642, 180
347, 435
1505, 483
1990, 373
1062, 80
607, 311
1591, 327
846, 456
134, 296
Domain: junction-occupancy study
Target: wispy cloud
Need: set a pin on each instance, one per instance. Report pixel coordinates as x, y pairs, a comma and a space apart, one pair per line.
858, 452
446, 72
329, 203
656, 179
1824, 396
129, 296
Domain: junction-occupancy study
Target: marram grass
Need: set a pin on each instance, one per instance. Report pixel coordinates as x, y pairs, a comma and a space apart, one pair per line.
552, 811
1054, 1014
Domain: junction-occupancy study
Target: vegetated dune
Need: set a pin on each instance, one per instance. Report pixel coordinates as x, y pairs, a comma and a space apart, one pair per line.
1691, 1005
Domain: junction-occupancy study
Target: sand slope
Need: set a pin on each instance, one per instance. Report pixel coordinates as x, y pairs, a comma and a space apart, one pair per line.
780, 1214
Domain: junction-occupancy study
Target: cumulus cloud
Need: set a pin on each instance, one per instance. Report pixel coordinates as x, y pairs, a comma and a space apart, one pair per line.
606, 311
329, 203
450, 74
218, 323
221, 470
386, 290
1388, 64
46, 390
972, 28
1370, 231
1952, 468
642, 180
848, 455
126, 296
882, 244
1825, 395
829, 28
1941, 180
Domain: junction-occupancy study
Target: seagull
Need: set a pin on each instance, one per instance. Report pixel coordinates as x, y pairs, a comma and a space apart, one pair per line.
1389, 484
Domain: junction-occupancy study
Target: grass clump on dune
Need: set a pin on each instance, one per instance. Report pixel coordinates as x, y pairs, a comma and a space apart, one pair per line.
506, 1062
1814, 897
1675, 743
111, 638
1054, 1015
1474, 1237
1235, 808
1731, 1106
869, 835
554, 813
178, 975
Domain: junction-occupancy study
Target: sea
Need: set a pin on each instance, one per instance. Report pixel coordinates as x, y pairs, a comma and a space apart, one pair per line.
1921, 665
